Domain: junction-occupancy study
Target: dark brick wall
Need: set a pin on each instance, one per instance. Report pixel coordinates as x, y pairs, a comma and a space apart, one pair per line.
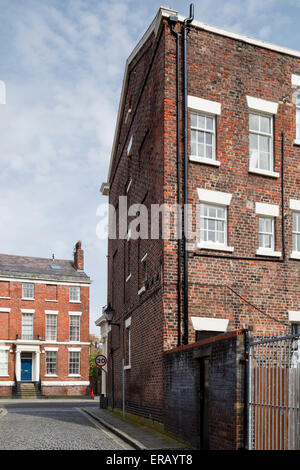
182, 413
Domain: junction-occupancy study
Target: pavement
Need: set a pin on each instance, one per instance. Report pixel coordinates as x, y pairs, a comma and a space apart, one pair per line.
138, 436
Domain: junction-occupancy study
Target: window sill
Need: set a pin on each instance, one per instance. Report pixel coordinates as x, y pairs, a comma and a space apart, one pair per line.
26, 298
272, 174
268, 252
50, 375
47, 300
128, 278
142, 290
295, 255
214, 246
206, 161
74, 375
296, 142
3, 376
127, 367
8, 298
75, 301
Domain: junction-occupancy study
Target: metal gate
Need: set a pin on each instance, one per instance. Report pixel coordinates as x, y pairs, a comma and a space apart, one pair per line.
274, 393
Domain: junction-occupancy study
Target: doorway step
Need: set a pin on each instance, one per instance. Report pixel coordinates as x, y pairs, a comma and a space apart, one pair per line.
28, 390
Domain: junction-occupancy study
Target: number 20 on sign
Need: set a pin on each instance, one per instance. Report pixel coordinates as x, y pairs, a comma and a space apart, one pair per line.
101, 360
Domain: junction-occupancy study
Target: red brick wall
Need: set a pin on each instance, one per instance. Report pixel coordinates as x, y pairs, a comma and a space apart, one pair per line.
225, 70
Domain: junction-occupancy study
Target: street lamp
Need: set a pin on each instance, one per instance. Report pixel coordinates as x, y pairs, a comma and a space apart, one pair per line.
109, 312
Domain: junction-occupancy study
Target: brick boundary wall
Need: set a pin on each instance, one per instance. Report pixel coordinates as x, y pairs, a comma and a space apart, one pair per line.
74, 390
6, 391
226, 391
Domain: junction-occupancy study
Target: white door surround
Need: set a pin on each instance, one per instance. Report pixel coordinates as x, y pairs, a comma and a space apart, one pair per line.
35, 350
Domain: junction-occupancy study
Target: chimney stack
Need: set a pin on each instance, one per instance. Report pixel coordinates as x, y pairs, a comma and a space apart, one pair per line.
78, 257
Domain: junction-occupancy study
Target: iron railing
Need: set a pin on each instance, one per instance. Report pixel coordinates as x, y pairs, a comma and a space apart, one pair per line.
274, 393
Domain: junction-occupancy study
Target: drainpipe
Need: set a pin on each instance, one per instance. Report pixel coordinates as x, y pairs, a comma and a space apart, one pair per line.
173, 20
185, 29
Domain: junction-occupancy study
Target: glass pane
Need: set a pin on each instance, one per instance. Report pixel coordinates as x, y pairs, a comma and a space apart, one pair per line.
212, 211
200, 152
265, 124
268, 241
264, 162
194, 136
261, 224
260, 239
200, 136
298, 97
193, 120
209, 123
201, 122
208, 138
221, 213
254, 122
211, 236
264, 144
268, 225
254, 158
211, 224
194, 148
253, 141
208, 151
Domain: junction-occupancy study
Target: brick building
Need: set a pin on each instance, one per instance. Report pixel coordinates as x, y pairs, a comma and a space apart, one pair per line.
44, 325
230, 150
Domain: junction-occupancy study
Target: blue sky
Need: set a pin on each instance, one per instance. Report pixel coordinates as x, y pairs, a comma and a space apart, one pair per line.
63, 64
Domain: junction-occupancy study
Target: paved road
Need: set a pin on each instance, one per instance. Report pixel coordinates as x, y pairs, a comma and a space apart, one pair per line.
48, 426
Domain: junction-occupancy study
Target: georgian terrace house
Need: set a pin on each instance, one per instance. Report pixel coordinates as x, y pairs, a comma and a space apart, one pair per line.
44, 325
226, 140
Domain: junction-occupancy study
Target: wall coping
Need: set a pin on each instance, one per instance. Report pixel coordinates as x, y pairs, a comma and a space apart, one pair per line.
203, 342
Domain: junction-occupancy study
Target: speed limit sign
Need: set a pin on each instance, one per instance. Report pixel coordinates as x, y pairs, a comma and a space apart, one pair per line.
101, 360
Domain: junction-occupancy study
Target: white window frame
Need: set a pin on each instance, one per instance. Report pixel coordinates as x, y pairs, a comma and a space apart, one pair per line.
74, 374
24, 286
260, 133
28, 315
295, 208
52, 315
4, 350
217, 199
217, 219
295, 233
212, 132
268, 109
207, 109
270, 211
73, 317
50, 374
78, 298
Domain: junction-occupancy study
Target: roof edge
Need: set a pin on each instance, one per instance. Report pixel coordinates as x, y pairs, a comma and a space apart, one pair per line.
165, 12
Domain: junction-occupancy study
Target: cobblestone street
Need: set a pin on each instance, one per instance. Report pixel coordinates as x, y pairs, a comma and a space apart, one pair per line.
49, 426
